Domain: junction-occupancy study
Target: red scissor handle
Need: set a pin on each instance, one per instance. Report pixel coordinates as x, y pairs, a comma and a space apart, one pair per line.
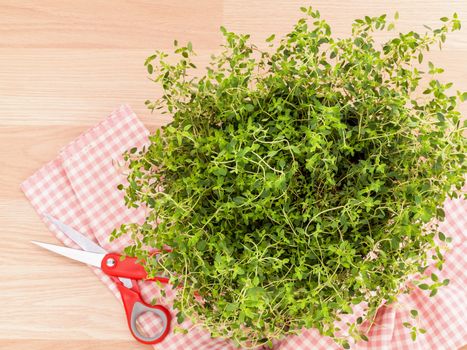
127, 268
135, 306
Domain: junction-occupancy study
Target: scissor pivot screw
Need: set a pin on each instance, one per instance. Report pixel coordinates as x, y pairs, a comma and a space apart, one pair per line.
110, 262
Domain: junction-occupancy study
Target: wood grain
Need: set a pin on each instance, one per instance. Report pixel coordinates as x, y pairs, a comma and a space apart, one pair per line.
65, 65
108, 24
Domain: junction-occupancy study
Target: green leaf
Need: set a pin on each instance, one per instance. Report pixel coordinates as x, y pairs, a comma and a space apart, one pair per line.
231, 307
420, 57
220, 171
442, 236
239, 199
249, 107
180, 318
414, 313
201, 245
255, 281
270, 38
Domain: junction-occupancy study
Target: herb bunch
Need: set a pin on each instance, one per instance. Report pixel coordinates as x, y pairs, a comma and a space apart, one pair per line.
296, 182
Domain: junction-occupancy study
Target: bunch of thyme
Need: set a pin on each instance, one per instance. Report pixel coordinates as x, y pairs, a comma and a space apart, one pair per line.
298, 181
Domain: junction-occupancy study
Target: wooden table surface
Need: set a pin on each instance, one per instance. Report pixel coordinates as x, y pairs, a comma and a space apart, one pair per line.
64, 65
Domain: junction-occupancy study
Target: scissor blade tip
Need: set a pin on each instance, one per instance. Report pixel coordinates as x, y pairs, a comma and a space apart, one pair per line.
37, 242
40, 244
47, 216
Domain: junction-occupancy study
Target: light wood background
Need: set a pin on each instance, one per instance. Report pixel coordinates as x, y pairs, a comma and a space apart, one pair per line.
64, 65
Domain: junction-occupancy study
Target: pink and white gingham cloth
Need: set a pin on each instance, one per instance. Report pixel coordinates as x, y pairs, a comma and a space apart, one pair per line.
79, 187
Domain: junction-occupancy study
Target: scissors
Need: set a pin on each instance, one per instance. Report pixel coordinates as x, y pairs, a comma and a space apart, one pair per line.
124, 273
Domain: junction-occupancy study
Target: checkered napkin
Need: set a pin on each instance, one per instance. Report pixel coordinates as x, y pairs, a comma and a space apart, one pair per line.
79, 187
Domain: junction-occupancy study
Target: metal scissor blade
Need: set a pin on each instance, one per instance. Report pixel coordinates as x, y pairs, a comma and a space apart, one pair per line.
80, 239
89, 258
